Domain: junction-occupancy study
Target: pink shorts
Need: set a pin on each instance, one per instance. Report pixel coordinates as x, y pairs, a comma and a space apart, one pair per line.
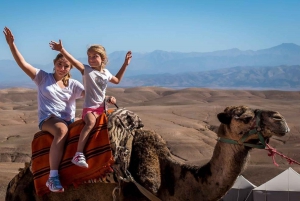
97, 111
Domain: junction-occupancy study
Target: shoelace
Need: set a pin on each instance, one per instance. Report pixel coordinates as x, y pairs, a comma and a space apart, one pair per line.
79, 157
54, 181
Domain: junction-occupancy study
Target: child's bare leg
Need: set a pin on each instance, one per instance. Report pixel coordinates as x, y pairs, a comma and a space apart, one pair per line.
90, 120
59, 130
79, 158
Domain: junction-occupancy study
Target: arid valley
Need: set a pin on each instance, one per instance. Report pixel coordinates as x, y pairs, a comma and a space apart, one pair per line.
185, 118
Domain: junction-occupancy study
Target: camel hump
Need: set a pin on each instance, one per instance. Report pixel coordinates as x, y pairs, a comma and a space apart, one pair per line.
14, 190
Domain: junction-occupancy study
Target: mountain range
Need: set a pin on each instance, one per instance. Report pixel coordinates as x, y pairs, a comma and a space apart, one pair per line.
279, 77
276, 67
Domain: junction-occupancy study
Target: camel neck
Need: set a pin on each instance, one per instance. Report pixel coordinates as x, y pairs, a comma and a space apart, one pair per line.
212, 180
226, 164
231, 157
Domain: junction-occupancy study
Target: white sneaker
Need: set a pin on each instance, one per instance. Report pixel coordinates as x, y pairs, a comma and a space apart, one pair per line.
79, 160
54, 185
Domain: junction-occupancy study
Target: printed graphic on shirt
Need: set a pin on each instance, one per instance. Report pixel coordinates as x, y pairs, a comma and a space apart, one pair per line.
101, 82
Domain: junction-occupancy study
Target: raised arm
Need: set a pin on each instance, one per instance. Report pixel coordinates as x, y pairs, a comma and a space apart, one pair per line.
59, 47
26, 67
117, 79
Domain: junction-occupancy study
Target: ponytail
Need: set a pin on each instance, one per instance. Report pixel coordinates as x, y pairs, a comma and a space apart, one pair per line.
65, 79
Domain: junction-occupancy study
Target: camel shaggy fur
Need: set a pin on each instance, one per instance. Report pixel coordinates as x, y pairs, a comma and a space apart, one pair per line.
153, 166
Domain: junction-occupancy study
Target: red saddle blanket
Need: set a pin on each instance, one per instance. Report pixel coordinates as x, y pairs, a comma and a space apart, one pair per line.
98, 154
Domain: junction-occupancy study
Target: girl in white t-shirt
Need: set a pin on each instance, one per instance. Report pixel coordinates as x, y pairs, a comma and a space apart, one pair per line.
56, 104
95, 79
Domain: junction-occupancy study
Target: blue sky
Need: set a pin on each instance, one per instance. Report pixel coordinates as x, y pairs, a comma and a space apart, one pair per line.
145, 26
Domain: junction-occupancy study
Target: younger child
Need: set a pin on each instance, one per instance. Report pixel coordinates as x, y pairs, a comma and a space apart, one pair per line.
95, 79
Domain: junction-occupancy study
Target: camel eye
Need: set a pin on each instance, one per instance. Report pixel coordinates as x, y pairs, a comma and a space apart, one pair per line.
247, 120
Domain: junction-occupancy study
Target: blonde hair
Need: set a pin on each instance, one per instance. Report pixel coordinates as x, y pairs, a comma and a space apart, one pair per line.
66, 78
101, 51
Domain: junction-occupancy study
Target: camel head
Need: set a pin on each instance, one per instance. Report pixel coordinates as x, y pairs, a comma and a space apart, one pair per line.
244, 125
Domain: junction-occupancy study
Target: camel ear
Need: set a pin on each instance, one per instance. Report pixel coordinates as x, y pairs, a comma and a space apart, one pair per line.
224, 118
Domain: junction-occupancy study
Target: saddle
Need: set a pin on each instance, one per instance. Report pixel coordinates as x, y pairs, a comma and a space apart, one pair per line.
98, 154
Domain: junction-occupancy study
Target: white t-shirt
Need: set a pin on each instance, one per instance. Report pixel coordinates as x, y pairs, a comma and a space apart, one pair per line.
95, 84
53, 100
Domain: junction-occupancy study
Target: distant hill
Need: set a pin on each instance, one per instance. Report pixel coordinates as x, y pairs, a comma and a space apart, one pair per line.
280, 77
276, 67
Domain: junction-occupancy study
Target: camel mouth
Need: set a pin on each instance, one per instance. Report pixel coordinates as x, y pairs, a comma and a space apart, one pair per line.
281, 134
284, 129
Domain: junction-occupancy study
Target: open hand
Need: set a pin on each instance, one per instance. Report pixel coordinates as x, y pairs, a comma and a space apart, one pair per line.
8, 36
128, 58
56, 46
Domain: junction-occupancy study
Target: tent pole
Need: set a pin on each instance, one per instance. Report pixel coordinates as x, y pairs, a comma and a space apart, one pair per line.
266, 192
289, 185
248, 195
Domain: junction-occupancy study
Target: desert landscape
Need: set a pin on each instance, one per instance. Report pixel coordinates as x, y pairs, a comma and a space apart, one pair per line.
185, 118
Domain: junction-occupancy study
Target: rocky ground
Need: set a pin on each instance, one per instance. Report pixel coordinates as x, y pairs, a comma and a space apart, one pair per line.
186, 119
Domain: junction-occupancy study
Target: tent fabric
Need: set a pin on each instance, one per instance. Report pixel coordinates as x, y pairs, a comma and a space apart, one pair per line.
240, 190
289, 180
242, 183
283, 187
259, 195
238, 195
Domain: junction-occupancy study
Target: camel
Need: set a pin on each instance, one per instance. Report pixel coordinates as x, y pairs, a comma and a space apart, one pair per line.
153, 166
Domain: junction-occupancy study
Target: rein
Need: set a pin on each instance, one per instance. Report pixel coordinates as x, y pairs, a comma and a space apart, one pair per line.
256, 130
273, 151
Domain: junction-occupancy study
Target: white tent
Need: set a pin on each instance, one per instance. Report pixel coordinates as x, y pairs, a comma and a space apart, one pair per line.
283, 187
240, 190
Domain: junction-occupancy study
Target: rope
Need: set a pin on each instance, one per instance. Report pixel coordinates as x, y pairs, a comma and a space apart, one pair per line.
114, 192
143, 190
273, 152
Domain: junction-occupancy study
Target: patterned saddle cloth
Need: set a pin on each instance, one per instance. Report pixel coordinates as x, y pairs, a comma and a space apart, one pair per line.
98, 155
107, 151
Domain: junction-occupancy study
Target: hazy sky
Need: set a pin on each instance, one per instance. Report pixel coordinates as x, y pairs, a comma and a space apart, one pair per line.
147, 25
